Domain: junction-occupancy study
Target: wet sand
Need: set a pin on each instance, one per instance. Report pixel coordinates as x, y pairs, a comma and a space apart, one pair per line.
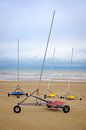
41, 118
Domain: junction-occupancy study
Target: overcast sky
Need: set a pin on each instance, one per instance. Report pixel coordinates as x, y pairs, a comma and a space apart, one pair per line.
30, 21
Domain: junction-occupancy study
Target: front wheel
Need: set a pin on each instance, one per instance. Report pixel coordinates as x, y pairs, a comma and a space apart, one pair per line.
66, 109
17, 109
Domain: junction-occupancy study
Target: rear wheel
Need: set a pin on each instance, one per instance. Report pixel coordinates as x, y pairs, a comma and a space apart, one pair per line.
48, 106
61, 97
45, 96
8, 94
17, 109
26, 94
66, 109
18, 96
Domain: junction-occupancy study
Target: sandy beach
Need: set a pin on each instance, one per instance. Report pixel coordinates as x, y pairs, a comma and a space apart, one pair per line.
41, 118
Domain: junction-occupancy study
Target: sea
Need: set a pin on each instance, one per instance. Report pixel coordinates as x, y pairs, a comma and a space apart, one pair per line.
36, 72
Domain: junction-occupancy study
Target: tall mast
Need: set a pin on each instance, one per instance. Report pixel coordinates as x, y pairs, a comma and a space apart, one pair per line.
17, 62
51, 68
46, 47
69, 84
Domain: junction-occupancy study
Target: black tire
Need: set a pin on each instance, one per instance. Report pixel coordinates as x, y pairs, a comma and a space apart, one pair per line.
80, 98
17, 109
66, 109
8, 94
45, 96
18, 96
61, 97
26, 94
48, 106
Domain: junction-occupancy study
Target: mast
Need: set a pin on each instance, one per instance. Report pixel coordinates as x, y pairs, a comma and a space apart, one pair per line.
69, 84
17, 62
51, 67
46, 47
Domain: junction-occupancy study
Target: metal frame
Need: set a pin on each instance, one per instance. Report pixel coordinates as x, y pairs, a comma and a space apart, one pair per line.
49, 104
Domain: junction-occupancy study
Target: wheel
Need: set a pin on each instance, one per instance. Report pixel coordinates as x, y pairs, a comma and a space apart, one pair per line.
80, 98
48, 106
45, 96
8, 94
66, 109
17, 109
18, 96
26, 94
61, 97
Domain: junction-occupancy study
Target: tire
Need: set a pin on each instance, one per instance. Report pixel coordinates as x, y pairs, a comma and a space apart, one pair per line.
61, 97
45, 96
26, 94
18, 96
17, 109
66, 109
48, 106
8, 94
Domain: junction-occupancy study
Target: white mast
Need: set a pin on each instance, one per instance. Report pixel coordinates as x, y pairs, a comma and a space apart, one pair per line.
51, 68
69, 83
46, 47
17, 62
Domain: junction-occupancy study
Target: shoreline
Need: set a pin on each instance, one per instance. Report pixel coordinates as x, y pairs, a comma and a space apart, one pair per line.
54, 76
46, 80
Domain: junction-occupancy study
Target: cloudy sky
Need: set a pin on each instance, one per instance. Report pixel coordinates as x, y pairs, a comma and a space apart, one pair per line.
29, 21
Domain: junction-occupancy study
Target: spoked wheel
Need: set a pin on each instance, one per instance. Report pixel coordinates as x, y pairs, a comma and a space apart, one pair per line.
66, 109
17, 109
